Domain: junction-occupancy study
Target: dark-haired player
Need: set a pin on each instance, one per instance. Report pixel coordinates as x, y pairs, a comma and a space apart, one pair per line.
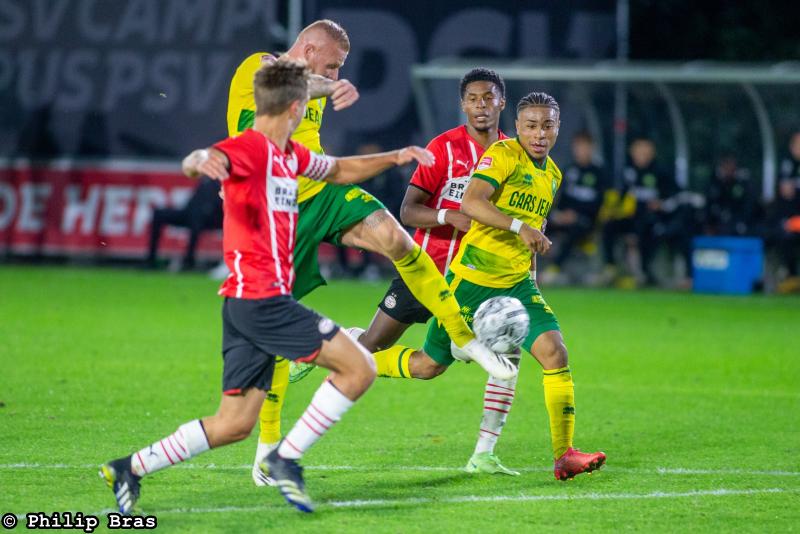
508, 199
259, 171
431, 204
343, 215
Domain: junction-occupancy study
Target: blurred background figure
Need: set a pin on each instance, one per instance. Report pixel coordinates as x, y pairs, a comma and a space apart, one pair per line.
202, 212
634, 210
731, 202
790, 165
573, 221
783, 233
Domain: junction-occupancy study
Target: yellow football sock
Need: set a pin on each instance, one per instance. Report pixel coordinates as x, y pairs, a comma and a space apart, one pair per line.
393, 362
429, 287
270, 415
559, 397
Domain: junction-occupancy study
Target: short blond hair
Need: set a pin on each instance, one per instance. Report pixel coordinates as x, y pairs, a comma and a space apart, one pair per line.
277, 85
332, 30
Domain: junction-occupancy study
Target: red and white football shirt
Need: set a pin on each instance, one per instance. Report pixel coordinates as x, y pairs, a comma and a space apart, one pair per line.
260, 225
457, 156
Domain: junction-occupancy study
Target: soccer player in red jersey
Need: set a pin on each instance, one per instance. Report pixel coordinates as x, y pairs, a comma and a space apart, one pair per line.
431, 205
259, 171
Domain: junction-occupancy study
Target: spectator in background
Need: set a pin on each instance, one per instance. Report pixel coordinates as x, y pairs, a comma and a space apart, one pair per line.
731, 202
638, 210
783, 231
202, 212
790, 165
578, 203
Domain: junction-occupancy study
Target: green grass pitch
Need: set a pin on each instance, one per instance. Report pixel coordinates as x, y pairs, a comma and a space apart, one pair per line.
695, 399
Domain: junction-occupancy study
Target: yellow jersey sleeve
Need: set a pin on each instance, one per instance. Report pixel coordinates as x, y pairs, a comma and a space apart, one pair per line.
525, 189
242, 111
241, 103
496, 165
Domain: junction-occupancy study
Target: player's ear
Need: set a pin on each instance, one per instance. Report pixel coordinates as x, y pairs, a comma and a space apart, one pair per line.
308, 51
502, 104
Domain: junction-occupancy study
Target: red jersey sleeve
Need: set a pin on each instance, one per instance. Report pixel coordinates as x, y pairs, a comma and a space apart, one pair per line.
310, 164
428, 178
240, 153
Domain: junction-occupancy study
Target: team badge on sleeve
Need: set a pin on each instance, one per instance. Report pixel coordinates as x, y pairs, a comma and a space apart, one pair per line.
485, 163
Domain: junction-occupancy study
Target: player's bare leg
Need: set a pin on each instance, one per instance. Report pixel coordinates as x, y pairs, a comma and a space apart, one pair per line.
380, 232
559, 396
383, 332
234, 420
352, 372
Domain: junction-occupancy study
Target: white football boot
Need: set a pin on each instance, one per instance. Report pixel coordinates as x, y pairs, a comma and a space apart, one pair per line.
495, 364
259, 476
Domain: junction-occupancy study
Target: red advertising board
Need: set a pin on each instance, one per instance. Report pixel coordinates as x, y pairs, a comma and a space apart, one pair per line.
92, 209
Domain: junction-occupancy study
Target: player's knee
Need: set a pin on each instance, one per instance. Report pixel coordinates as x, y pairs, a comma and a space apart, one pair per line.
238, 428
363, 370
425, 368
394, 240
558, 355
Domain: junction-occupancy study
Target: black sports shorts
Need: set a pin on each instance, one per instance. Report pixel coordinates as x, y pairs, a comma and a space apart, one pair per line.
255, 331
401, 305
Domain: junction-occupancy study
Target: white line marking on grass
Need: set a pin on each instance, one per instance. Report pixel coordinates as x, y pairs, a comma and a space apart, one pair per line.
458, 499
436, 468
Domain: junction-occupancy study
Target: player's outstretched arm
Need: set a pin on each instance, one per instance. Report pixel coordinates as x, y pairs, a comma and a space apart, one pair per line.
416, 214
342, 93
477, 204
355, 169
206, 161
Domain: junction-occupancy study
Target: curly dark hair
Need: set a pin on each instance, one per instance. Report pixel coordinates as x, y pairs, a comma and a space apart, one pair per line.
482, 75
537, 99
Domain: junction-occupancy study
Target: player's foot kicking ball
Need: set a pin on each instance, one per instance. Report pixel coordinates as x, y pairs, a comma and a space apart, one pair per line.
495, 364
574, 462
123, 483
288, 476
487, 462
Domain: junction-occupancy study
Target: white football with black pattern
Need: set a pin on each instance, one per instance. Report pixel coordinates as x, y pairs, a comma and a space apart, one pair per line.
501, 323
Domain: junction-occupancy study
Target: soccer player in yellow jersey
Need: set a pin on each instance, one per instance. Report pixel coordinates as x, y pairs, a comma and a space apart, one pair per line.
342, 215
508, 198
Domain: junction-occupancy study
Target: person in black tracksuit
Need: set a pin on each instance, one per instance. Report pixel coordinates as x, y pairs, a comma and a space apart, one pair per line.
202, 212
580, 198
649, 186
779, 232
731, 201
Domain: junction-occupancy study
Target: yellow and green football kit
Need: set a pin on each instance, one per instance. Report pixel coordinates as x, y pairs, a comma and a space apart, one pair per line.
492, 262
326, 212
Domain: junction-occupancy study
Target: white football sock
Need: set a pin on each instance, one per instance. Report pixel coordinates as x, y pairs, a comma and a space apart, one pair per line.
497, 399
188, 441
326, 408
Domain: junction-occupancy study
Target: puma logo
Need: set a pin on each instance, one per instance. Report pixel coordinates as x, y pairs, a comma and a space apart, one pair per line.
464, 163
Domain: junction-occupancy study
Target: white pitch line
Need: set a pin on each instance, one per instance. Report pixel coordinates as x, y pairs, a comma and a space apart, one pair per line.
366, 503
435, 468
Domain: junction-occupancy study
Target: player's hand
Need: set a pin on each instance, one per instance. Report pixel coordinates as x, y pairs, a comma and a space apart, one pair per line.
415, 153
211, 163
344, 94
534, 239
458, 220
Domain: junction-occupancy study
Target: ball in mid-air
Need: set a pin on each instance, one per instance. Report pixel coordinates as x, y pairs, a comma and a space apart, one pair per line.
501, 323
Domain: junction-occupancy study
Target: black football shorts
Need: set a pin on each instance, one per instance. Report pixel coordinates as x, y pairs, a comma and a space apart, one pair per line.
401, 305
255, 331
